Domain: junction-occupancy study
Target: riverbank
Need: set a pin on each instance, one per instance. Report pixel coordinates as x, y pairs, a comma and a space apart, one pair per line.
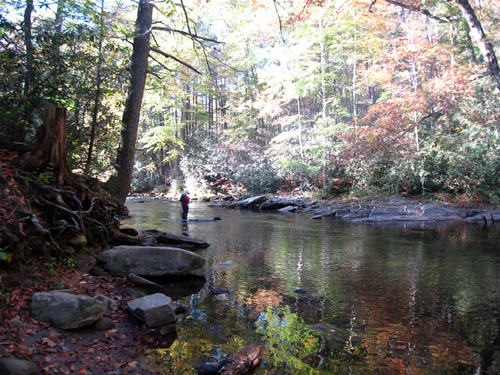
118, 349
366, 210
124, 349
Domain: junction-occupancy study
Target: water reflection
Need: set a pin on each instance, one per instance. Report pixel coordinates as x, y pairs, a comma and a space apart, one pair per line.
380, 299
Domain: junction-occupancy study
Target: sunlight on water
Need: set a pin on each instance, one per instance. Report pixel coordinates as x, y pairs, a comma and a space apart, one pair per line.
387, 299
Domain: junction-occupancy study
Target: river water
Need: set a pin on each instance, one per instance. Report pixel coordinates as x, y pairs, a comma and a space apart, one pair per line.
374, 299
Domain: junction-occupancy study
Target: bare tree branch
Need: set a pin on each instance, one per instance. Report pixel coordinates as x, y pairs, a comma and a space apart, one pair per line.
186, 15
279, 19
176, 59
154, 74
160, 63
425, 12
185, 33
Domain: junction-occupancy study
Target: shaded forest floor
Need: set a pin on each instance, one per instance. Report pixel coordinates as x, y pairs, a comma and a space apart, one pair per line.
39, 218
121, 350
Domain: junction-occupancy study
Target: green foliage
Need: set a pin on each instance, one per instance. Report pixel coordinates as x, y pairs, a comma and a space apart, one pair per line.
243, 166
4, 255
46, 176
51, 266
291, 344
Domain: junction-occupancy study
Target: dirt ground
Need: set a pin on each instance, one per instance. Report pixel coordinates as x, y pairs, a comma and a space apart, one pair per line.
121, 350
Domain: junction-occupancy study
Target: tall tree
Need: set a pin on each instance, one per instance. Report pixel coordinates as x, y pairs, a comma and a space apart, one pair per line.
478, 34
28, 98
119, 183
476, 30
98, 93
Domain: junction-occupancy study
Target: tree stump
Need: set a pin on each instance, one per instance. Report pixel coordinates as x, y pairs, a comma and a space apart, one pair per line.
48, 149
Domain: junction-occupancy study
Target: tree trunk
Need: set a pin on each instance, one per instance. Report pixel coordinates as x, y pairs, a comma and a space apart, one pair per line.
97, 99
48, 150
119, 183
478, 34
27, 113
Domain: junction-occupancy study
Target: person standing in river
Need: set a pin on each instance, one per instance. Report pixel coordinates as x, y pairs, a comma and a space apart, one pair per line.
185, 204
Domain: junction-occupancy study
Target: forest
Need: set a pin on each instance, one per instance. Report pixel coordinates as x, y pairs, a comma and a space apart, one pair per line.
322, 97
247, 97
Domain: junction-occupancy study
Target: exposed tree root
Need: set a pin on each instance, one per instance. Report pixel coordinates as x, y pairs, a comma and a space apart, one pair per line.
38, 218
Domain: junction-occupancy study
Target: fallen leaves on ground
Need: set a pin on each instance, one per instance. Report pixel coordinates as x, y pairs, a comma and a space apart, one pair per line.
123, 350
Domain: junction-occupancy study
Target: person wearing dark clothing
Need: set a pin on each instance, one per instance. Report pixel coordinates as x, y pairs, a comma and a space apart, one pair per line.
185, 204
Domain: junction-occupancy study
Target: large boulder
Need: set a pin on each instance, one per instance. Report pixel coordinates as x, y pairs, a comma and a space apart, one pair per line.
15, 366
149, 261
66, 311
155, 310
279, 203
252, 201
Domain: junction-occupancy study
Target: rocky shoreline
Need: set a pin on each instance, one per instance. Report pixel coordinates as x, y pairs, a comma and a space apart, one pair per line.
394, 209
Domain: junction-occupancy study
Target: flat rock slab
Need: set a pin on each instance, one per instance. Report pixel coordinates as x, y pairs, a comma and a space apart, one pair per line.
155, 310
149, 261
177, 239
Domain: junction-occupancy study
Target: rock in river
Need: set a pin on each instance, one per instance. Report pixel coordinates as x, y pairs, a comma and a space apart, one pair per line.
176, 239
155, 310
149, 261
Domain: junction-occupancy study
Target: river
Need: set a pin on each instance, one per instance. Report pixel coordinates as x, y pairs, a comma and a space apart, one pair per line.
329, 297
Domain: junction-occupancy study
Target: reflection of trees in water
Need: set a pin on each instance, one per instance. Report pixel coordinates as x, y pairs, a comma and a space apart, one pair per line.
380, 299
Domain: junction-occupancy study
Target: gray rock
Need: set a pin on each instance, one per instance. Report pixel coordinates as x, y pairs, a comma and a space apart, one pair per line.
279, 203
471, 213
357, 213
435, 211
104, 324
487, 217
14, 366
69, 291
253, 201
177, 239
384, 211
341, 212
110, 303
149, 261
66, 311
288, 209
155, 310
